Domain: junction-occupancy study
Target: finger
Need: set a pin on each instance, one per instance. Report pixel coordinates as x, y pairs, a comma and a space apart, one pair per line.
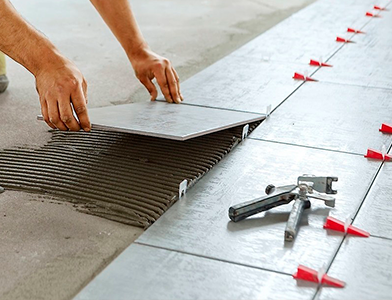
173, 86
66, 114
79, 104
160, 75
84, 86
44, 111
150, 87
178, 83
54, 116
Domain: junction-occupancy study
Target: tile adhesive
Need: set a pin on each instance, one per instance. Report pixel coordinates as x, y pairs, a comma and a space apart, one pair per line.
128, 178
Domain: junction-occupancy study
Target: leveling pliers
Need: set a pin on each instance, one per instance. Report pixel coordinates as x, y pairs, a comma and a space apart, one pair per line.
308, 186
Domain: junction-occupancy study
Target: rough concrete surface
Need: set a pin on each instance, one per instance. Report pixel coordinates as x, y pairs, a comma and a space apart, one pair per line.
49, 250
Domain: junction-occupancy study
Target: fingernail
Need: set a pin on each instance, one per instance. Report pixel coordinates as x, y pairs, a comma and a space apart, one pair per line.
178, 100
87, 129
182, 97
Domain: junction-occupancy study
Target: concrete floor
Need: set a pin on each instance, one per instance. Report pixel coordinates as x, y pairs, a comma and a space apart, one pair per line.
50, 250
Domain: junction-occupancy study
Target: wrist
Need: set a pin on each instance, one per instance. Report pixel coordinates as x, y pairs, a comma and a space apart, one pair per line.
47, 57
135, 52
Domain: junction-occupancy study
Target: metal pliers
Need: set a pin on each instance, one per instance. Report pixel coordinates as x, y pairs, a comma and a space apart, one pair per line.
308, 186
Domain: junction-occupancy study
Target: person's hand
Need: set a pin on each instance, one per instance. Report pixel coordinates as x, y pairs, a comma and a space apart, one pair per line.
149, 65
62, 89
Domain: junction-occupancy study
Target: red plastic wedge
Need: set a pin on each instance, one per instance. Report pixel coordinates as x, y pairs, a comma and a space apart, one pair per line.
319, 64
342, 40
308, 274
369, 14
299, 76
374, 154
379, 7
337, 225
387, 157
386, 128
310, 79
354, 30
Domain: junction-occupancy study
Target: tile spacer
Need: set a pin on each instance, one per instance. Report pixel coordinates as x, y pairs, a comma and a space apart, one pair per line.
379, 7
355, 30
378, 155
268, 111
308, 274
182, 188
385, 128
369, 14
299, 76
318, 63
337, 225
245, 131
342, 40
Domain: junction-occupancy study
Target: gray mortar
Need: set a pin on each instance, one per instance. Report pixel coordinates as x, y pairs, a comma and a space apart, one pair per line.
127, 178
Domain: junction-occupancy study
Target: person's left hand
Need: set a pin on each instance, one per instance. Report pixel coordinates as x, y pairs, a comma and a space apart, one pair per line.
149, 65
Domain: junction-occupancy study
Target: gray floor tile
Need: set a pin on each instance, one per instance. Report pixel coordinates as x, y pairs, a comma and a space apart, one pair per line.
244, 84
310, 33
368, 62
142, 272
260, 73
365, 265
331, 116
375, 215
161, 119
378, 32
358, 65
199, 223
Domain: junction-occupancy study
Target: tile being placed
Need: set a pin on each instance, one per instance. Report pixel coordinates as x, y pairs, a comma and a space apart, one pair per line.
309, 34
142, 272
243, 84
366, 267
171, 121
199, 222
375, 215
331, 116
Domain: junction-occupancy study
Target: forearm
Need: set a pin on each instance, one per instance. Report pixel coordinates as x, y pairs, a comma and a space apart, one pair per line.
121, 21
22, 42
147, 65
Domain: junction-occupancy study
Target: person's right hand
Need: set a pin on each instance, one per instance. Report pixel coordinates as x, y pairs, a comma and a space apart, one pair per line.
63, 89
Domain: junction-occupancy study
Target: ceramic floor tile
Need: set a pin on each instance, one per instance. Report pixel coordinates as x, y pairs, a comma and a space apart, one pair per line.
355, 65
368, 61
142, 272
331, 116
378, 32
243, 84
310, 33
199, 223
375, 215
160, 119
365, 264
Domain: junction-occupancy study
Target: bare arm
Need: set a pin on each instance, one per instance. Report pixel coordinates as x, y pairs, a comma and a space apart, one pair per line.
59, 82
147, 65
